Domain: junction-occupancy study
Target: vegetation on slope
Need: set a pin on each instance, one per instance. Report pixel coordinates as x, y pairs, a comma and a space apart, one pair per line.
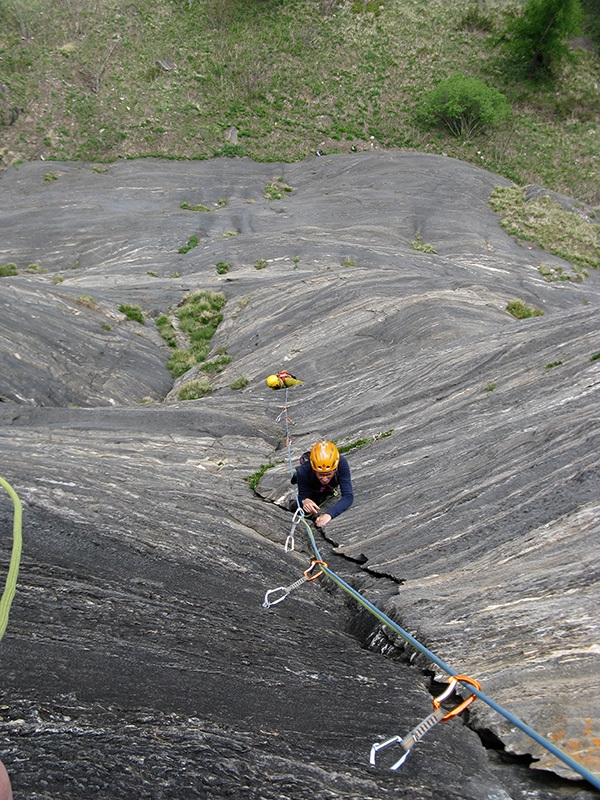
278, 79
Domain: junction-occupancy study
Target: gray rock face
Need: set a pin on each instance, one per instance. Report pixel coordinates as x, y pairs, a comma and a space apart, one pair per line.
138, 660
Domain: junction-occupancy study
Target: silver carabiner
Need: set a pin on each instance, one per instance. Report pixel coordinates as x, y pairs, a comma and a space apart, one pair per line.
268, 603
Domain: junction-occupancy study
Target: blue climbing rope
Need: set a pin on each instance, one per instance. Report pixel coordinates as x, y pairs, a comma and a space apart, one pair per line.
388, 622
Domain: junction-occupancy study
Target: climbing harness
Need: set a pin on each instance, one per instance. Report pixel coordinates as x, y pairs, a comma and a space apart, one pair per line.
306, 578
10, 586
438, 714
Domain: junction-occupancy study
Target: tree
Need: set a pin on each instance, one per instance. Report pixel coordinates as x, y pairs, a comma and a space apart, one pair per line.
537, 39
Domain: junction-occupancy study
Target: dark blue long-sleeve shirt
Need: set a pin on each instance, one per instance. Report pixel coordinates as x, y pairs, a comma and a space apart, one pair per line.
309, 486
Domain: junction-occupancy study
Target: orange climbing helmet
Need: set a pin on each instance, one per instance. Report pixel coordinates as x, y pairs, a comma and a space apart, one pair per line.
324, 457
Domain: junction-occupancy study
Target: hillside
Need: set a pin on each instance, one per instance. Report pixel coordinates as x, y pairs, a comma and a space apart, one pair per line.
138, 660
277, 80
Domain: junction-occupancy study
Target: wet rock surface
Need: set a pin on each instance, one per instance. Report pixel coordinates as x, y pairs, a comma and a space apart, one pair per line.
138, 660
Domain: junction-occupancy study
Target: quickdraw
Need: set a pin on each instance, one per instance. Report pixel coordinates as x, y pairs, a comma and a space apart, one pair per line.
286, 590
438, 715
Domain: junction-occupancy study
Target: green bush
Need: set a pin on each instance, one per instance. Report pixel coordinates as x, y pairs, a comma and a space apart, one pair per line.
8, 270
133, 312
223, 267
466, 106
537, 39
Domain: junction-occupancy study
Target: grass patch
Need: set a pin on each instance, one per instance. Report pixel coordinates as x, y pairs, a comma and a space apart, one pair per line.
217, 364
223, 267
199, 317
86, 300
261, 263
239, 383
276, 190
194, 390
191, 243
553, 364
544, 222
50, 176
133, 312
188, 207
254, 479
36, 268
166, 330
520, 310
595, 357
8, 270
345, 448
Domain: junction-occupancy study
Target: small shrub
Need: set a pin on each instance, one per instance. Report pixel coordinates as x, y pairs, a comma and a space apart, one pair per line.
347, 262
105, 326
152, 274
553, 364
50, 176
465, 106
490, 387
8, 270
222, 202
595, 357
175, 275
239, 383
520, 310
261, 263
86, 300
57, 279
194, 390
223, 267
133, 312
37, 268
192, 242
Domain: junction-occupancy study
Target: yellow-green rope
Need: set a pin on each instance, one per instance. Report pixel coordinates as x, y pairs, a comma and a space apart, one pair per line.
13, 571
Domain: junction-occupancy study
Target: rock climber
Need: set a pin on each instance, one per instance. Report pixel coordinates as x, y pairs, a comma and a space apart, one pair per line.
323, 475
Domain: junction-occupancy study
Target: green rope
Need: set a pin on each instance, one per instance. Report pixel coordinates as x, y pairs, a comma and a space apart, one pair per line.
13, 571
